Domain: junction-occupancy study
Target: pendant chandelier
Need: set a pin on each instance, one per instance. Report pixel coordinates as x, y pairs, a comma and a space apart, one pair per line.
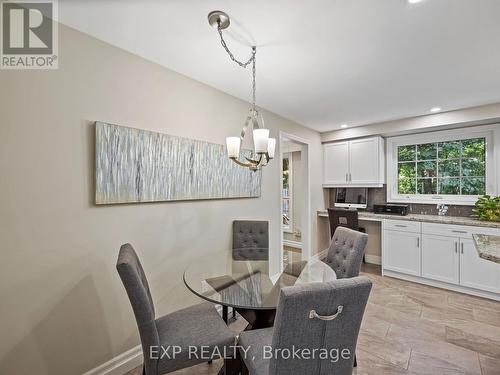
264, 146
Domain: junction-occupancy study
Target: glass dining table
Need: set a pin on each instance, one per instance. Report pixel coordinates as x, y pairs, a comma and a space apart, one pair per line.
247, 285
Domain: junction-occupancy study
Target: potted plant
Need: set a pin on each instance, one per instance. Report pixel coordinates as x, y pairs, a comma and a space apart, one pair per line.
487, 208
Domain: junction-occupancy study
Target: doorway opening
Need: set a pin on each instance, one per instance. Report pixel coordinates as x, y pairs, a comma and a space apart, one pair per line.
295, 211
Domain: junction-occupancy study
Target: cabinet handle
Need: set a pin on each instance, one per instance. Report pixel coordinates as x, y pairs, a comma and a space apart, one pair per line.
400, 225
462, 247
456, 247
346, 177
459, 231
418, 241
350, 177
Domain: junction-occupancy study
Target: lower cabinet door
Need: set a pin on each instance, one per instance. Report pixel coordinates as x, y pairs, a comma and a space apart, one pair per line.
402, 252
476, 272
440, 258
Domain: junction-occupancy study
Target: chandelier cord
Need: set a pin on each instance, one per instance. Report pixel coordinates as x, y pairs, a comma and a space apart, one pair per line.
254, 86
244, 65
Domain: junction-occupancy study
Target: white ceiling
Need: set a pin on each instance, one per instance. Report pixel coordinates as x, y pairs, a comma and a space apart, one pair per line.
319, 62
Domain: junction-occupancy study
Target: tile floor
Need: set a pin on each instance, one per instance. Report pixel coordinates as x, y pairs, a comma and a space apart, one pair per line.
415, 329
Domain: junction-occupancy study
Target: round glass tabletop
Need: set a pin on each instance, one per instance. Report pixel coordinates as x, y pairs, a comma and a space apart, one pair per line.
247, 284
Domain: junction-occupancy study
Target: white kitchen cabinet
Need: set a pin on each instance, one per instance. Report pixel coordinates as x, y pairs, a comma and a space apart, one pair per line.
364, 160
401, 252
402, 225
476, 272
447, 257
336, 163
356, 163
440, 258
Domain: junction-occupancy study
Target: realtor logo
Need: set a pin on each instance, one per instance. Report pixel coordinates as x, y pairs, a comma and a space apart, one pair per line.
29, 35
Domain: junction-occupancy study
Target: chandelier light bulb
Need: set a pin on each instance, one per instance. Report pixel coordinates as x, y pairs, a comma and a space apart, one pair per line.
233, 147
271, 146
261, 140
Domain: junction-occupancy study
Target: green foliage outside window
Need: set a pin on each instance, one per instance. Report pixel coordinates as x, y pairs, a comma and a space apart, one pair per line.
487, 208
285, 173
451, 168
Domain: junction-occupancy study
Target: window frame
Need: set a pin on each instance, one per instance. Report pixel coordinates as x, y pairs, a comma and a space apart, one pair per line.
434, 137
288, 228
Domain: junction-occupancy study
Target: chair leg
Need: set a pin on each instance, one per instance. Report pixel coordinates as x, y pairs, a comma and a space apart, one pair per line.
244, 370
224, 314
355, 361
232, 366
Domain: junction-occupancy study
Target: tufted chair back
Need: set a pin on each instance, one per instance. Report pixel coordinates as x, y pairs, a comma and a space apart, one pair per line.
250, 240
346, 252
133, 278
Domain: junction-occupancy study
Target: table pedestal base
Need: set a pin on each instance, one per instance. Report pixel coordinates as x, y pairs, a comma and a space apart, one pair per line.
262, 318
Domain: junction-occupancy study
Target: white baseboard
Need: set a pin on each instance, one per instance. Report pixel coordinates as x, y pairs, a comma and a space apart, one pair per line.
121, 364
373, 259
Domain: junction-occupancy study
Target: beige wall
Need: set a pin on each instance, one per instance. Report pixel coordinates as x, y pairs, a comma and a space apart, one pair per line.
63, 309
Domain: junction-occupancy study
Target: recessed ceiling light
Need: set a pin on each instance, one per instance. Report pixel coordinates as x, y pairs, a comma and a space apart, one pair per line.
435, 109
414, 1
343, 126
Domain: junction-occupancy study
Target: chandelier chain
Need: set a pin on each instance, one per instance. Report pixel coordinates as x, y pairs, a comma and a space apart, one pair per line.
254, 78
223, 42
244, 65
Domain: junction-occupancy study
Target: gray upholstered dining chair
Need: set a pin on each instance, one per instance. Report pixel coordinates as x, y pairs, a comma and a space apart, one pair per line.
195, 326
346, 251
325, 317
250, 240
343, 217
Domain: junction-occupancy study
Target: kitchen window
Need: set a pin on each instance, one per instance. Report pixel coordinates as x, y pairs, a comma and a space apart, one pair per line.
440, 166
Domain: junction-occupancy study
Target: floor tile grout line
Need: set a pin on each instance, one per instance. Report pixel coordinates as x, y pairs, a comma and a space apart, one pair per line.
387, 331
409, 359
480, 365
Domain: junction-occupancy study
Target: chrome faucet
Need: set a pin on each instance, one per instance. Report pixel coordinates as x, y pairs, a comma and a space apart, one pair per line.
442, 209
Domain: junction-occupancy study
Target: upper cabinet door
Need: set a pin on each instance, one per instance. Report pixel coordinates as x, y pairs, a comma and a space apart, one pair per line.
336, 163
359, 163
365, 161
476, 272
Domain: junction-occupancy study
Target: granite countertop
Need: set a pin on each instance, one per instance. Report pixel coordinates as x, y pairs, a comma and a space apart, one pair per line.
488, 246
456, 220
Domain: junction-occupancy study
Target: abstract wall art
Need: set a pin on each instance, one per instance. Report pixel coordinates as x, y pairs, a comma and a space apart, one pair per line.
134, 165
